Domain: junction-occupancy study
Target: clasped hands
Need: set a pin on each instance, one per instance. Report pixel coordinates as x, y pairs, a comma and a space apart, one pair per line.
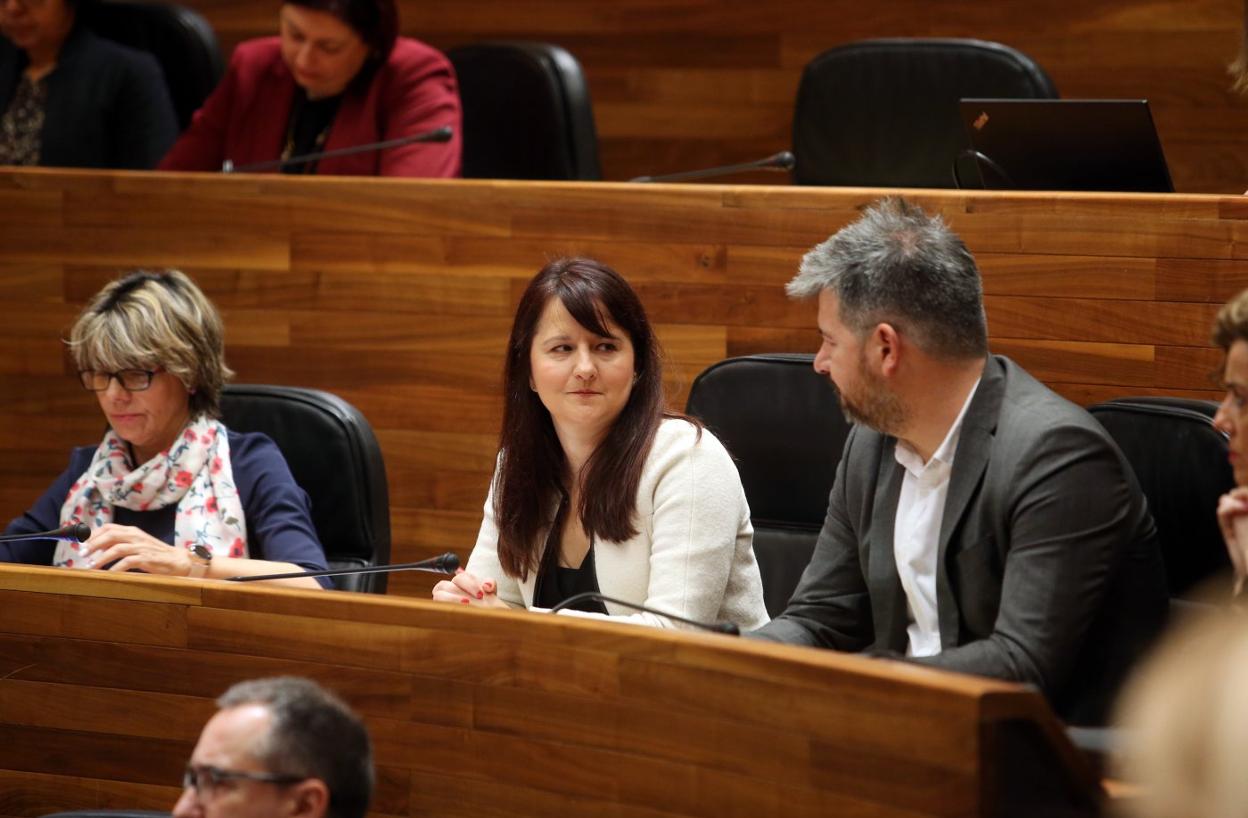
129, 549
1233, 516
468, 589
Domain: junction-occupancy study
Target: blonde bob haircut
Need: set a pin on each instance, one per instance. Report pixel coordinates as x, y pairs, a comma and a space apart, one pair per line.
156, 319
1185, 716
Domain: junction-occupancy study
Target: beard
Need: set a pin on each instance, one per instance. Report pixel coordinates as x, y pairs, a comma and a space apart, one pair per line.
873, 404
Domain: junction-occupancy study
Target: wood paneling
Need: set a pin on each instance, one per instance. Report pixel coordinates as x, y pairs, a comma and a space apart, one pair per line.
542, 714
698, 83
397, 295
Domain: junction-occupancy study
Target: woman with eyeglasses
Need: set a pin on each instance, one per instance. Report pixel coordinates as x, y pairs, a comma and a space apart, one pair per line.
169, 490
71, 99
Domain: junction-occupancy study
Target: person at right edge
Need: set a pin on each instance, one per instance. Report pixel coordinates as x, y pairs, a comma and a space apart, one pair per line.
978, 522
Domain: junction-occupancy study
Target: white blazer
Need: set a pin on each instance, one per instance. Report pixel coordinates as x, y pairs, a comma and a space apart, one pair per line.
693, 554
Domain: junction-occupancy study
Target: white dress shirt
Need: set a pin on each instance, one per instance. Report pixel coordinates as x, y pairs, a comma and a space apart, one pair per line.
916, 533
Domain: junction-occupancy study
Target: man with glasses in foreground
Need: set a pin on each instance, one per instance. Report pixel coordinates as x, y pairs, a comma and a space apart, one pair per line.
279, 747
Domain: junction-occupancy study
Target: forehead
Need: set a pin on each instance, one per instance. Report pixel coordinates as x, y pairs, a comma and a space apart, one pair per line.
829, 317
1236, 371
315, 23
556, 320
230, 738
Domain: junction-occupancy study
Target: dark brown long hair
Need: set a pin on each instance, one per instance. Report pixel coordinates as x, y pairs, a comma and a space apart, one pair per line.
531, 460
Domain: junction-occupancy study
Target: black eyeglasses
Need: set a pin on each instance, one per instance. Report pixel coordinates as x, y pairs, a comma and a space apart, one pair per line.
131, 380
204, 778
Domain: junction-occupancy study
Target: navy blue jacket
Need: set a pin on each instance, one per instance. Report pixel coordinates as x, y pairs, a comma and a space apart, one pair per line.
108, 105
275, 509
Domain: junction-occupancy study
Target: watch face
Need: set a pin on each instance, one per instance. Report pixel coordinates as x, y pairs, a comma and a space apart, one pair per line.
202, 551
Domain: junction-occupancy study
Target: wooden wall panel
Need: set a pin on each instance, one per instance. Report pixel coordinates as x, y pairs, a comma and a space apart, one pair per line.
397, 295
697, 83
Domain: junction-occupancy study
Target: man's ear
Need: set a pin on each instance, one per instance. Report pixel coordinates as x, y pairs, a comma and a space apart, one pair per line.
309, 799
885, 348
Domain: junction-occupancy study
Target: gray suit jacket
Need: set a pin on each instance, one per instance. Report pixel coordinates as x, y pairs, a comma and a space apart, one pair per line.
1048, 572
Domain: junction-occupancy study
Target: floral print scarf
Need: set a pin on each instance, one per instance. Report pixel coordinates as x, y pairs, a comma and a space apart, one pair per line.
195, 473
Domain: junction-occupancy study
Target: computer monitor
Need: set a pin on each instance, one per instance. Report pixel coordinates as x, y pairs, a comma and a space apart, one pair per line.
1062, 144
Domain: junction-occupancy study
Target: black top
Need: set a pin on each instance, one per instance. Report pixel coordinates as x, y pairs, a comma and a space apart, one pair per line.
310, 121
107, 105
556, 583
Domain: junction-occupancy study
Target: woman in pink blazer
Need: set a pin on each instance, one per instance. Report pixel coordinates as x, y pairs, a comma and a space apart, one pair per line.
337, 76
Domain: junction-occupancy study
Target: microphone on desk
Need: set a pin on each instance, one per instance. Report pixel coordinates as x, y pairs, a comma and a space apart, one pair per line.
784, 160
73, 532
593, 596
442, 134
444, 564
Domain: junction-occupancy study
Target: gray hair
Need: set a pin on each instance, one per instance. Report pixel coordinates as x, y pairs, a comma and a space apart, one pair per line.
156, 319
898, 265
313, 734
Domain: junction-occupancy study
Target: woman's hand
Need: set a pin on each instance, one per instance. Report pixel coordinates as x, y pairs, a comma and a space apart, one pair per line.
1233, 520
468, 589
130, 548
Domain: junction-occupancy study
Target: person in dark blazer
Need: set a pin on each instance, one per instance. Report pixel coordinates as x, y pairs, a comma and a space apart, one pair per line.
978, 521
71, 99
337, 76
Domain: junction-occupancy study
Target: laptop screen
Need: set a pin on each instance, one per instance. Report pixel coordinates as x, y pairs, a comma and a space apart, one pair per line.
1062, 144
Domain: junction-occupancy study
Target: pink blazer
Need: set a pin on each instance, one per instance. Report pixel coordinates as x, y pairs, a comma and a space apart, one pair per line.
245, 118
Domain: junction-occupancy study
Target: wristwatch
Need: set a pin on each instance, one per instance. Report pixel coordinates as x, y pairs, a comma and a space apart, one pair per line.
201, 559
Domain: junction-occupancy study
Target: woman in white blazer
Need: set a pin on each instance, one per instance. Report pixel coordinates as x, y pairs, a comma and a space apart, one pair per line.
597, 488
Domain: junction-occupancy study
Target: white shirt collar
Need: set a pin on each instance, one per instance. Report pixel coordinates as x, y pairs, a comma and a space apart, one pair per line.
943, 456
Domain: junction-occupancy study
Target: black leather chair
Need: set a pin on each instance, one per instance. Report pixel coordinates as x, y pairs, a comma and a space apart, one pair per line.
334, 456
181, 41
884, 113
527, 112
1181, 463
783, 424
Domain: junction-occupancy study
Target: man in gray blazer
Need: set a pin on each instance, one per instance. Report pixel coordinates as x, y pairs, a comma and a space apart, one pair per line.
978, 521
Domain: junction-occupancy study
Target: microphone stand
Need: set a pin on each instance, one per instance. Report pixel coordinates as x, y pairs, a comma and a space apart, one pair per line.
728, 628
784, 160
74, 532
442, 134
445, 564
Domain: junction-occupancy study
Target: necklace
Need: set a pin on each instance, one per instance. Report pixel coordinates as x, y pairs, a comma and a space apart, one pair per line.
304, 115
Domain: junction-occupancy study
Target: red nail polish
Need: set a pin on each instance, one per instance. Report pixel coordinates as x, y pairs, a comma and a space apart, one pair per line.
480, 595
464, 600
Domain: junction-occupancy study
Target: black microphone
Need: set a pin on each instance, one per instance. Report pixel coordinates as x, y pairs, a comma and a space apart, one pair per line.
588, 596
784, 160
442, 134
445, 564
73, 532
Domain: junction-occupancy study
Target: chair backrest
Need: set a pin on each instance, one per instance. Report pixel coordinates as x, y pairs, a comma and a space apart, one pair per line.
783, 424
527, 112
181, 41
884, 113
1180, 461
334, 456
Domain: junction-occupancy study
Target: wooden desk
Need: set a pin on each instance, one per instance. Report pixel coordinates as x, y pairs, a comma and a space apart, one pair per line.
105, 682
398, 296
